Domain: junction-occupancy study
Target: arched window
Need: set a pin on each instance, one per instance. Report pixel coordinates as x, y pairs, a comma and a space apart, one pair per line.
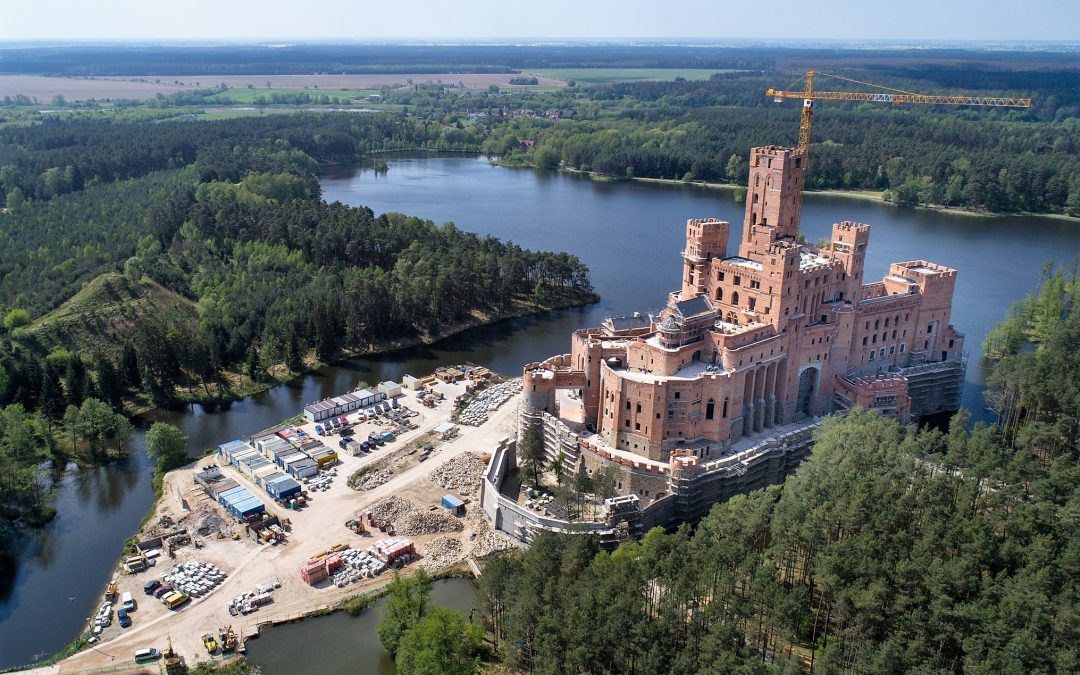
719, 295
757, 181
710, 409
735, 298
724, 413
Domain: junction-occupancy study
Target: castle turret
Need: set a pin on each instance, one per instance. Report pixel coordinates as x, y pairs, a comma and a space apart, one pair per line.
705, 240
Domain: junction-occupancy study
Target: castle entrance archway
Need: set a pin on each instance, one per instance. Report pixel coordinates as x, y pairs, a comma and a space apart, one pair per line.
807, 384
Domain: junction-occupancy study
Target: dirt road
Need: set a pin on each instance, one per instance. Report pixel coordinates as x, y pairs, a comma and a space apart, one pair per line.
315, 528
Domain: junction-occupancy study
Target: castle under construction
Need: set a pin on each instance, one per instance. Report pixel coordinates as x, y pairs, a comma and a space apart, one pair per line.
716, 394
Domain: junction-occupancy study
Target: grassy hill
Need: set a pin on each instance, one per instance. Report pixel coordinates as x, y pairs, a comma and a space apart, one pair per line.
97, 318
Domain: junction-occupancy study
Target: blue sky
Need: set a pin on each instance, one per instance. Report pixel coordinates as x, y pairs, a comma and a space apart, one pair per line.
990, 20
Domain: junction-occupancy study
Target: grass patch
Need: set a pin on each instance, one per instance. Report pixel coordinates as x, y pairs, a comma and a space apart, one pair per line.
102, 314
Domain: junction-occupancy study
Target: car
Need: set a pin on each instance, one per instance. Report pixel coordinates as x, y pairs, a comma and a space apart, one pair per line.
343, 443
150, 586
146, 654
319, 430
122, 616
162, 590
128, 602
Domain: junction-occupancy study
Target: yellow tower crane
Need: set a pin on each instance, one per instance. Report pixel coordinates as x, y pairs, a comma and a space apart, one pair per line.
886, 95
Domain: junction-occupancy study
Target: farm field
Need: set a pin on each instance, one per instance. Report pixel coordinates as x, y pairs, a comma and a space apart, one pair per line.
246, 95
76, 89
602, 75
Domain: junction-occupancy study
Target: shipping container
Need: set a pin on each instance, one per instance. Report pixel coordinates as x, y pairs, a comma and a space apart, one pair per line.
453, 504
323, 456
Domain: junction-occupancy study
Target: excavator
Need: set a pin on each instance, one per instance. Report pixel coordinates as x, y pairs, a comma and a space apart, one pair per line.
210, 643
882, 95
228, 639
174, 663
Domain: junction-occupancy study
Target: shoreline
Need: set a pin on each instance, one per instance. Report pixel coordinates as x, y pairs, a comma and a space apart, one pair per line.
863, 195
525, 309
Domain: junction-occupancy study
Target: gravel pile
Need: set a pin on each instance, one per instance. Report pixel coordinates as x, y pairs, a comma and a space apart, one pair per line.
441, 552
488, 400
463, 473
392, 509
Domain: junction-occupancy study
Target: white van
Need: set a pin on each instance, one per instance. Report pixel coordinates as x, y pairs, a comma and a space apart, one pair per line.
128, 602
146, 654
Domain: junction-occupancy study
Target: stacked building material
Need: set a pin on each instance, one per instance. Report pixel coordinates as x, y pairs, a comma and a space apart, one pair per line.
390, 550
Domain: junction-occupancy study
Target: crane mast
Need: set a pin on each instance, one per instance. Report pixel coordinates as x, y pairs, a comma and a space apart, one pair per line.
887, 95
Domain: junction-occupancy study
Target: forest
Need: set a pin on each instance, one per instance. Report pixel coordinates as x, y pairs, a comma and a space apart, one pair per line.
142, 262
890, 549
992, 160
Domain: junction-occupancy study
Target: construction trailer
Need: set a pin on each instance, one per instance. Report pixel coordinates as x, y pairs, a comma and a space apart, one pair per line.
342, 405
299, 465
240, 503
233, 448
281, 487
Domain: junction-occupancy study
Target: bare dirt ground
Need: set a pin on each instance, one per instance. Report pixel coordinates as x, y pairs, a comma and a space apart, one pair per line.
316, 528
144, 86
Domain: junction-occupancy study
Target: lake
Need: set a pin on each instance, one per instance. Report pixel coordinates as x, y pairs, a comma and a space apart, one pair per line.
630, 235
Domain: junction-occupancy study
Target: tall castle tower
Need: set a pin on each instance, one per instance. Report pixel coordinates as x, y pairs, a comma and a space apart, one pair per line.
773, 199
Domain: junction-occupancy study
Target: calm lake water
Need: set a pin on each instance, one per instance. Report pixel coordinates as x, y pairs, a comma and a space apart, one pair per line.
340, 643
629, 234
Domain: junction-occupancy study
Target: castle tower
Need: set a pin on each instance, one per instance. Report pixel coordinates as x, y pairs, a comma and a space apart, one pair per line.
848, 245
773, 198
705, 239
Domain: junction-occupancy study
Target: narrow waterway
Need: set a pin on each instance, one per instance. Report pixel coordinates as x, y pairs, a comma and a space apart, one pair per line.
630, 234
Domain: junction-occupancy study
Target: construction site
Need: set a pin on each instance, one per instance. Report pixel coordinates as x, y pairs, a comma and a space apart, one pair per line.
252, 535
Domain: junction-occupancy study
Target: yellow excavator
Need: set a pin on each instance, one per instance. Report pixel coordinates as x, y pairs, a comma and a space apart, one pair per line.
174, 663
228, 639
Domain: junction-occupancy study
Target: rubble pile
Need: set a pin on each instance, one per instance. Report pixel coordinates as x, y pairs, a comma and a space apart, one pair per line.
410, 520
428, 522
372, 480
208, 522
490, 542
392, 509
463, 473
441, 552
180, 539
484, 540
488, 400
